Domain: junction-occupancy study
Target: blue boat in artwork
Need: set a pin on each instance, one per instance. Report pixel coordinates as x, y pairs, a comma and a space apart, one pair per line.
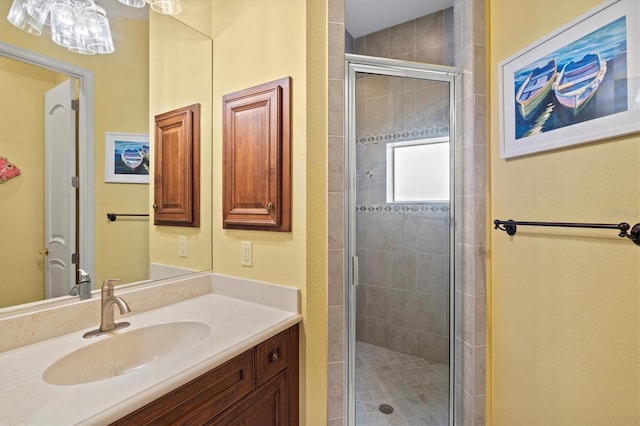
133, 157
579, 80
535, 88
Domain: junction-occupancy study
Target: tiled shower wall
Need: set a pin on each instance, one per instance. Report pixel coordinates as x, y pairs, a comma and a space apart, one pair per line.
403, 301
403, 249
428, 39
469, 56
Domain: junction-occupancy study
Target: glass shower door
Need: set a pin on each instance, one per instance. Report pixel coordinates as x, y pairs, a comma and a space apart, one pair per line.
400, 234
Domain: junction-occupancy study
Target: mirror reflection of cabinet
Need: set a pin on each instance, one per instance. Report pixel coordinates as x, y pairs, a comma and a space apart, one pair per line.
256, 180
177, 167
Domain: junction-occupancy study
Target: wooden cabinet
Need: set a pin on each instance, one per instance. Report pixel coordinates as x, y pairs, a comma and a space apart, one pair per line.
177, 167
258, 387
256, 151
267, 406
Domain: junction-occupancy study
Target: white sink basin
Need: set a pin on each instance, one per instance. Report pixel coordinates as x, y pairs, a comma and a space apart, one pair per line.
122, 353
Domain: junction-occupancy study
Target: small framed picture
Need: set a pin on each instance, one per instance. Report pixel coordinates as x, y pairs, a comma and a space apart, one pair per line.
126, 158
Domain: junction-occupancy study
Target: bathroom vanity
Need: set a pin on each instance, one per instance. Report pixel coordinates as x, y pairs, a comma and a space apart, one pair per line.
229, 356
258, 387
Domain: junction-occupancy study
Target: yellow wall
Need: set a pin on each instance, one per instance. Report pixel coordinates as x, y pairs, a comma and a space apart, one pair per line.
258, 41
255, 41
314, 291
121, 105
22, 88
565, 304
180, 75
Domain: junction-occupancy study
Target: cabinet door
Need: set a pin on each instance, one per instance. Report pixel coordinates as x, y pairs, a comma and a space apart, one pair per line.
267, 406
177, 167
200, 400
256, 151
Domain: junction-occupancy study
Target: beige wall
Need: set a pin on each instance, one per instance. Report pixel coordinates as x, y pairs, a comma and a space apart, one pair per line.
121, 105
565, 304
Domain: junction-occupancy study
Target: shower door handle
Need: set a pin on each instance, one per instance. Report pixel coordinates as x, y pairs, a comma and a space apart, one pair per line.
354, 263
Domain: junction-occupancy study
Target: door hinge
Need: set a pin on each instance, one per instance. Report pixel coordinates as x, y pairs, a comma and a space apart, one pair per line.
75, 258
75, 104
75, 182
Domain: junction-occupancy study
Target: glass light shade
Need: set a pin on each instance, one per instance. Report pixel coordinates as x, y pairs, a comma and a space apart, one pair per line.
82, 18
166, 7
65, 20
133, 3
62, 20
29, 15
99, 40
79, 25
80, 46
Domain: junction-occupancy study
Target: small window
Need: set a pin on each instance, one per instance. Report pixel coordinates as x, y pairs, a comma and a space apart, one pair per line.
418, 171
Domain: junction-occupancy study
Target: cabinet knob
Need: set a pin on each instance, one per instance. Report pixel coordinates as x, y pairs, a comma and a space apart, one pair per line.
155, 206
275, 356
269, 205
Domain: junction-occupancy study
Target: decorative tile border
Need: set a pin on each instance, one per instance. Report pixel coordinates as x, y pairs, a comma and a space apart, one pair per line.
436, 131
422, 208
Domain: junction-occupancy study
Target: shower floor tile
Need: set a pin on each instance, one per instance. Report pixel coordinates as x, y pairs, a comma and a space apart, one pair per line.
416, 388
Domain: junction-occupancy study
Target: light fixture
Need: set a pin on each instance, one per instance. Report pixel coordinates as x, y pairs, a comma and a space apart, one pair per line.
79, 25
166, 7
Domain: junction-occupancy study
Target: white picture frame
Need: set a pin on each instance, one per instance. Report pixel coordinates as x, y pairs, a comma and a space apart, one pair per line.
588, 99
126, 158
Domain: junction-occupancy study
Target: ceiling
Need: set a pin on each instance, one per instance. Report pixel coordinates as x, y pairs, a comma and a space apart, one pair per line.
362, 16
368, 16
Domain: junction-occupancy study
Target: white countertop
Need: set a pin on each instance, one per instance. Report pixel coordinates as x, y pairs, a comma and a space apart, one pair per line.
236, 325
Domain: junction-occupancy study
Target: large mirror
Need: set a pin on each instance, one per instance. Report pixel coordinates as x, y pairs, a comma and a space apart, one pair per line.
114, 95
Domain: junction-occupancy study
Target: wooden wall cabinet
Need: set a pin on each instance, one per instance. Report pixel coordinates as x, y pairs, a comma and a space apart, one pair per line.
257, 163
258, 387
177, 167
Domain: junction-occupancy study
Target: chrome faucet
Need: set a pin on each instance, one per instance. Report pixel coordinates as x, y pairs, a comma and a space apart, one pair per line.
107, 323
82, 287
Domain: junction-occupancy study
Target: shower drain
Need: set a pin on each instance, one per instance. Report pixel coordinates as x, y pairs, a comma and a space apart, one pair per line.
385, 408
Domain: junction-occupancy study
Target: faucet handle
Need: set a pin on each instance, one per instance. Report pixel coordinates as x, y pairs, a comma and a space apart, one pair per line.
106, 284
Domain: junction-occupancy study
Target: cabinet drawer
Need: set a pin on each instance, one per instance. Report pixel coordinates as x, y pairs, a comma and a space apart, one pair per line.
200, 399
272, 356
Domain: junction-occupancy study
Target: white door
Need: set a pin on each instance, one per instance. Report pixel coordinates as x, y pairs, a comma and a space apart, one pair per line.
60, 195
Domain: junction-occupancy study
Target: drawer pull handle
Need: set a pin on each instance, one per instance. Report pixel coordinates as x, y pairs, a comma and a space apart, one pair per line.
274, 356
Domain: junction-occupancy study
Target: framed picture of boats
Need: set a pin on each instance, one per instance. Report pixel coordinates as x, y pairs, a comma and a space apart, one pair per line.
126, 158
579, 84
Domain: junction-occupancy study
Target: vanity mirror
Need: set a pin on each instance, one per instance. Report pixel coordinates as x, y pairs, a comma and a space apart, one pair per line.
131, 248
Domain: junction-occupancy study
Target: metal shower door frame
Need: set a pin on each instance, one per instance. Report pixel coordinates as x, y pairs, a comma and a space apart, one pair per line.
394, 68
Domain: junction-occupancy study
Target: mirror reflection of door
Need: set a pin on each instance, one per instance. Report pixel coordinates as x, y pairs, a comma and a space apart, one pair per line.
24, 263
60, 190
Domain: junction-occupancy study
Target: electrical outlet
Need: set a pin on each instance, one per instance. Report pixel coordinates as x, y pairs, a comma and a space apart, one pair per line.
245, 253
182, 246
